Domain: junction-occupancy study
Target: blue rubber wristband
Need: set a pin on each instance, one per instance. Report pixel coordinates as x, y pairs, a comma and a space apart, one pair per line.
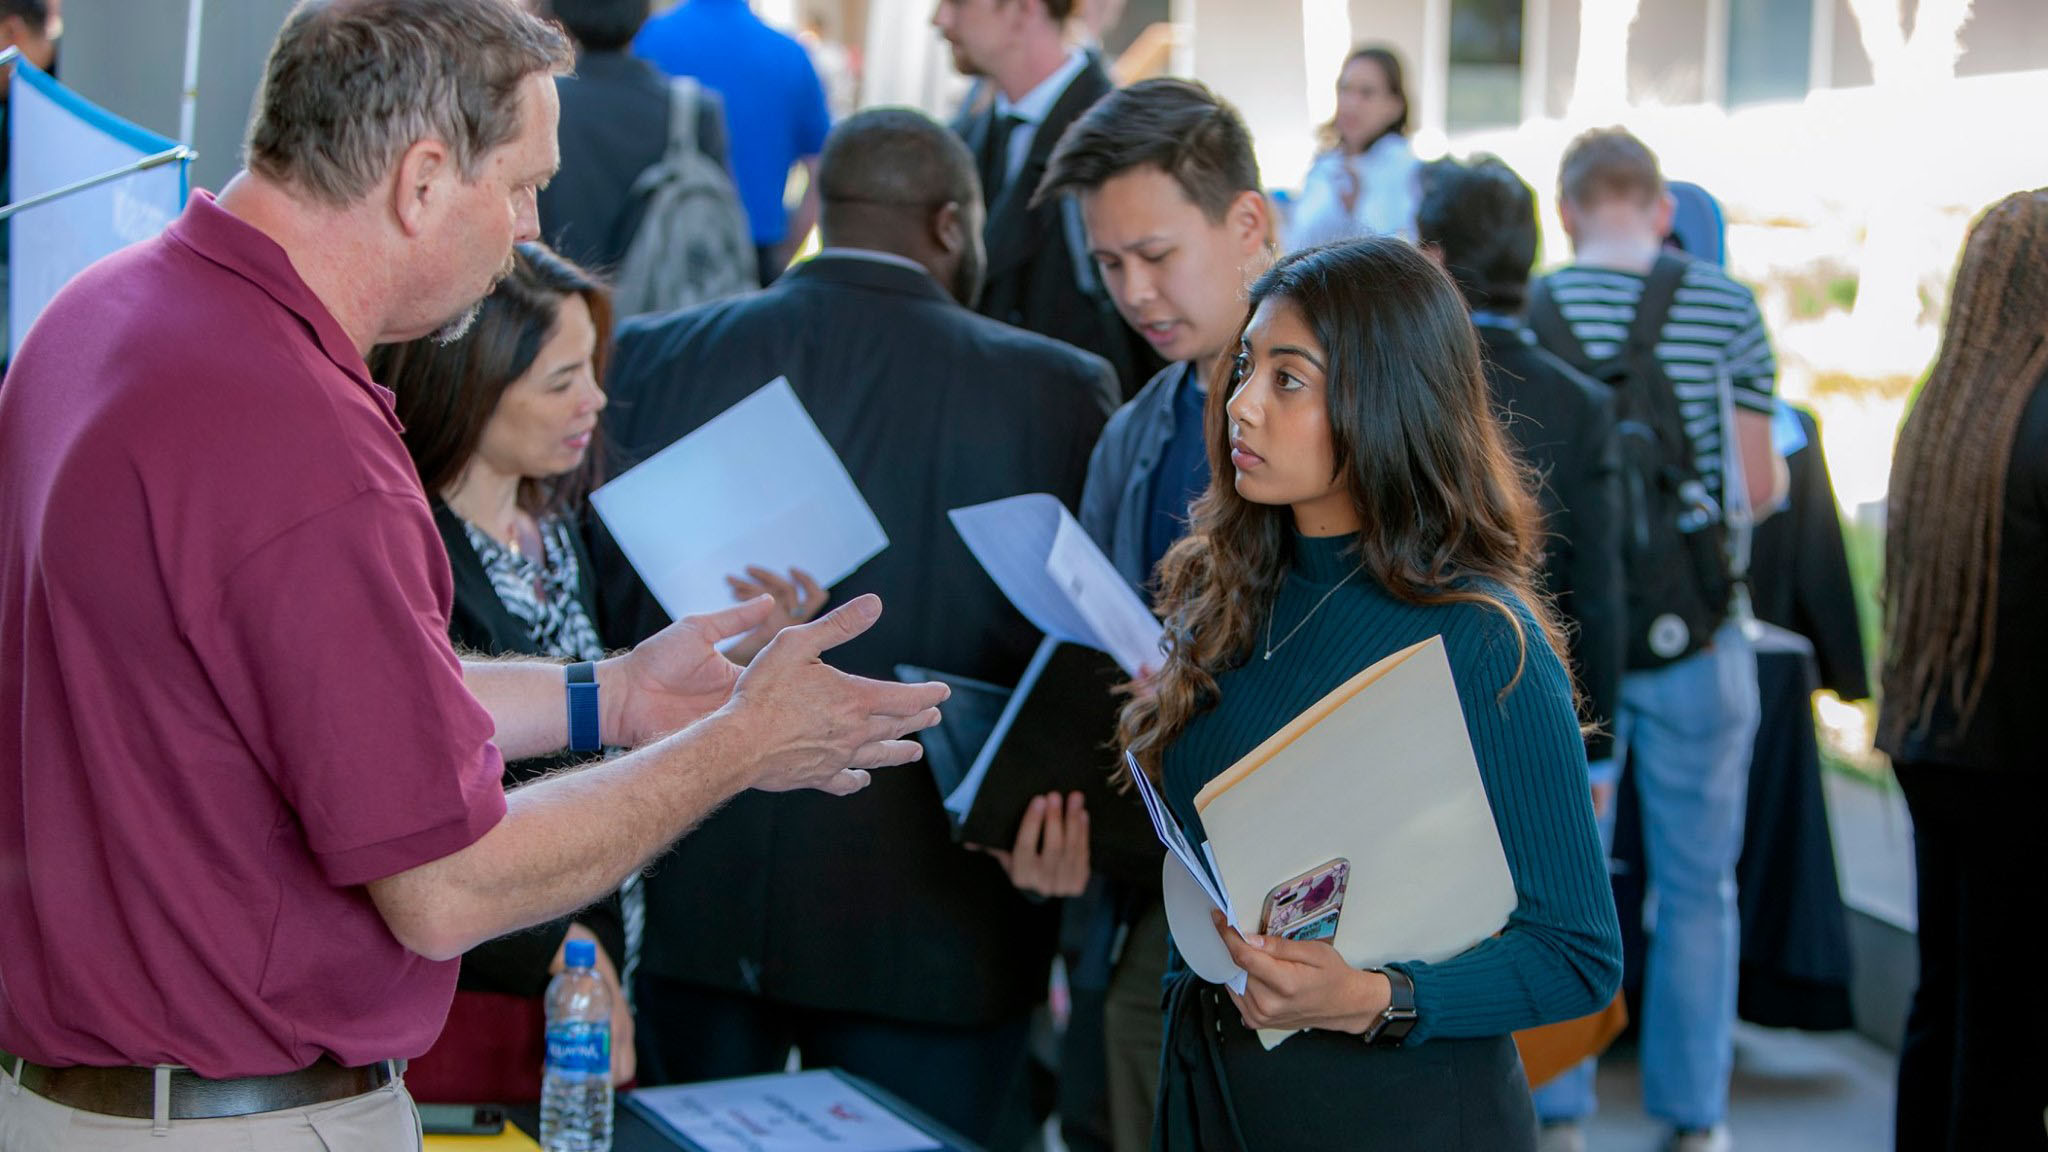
583, 734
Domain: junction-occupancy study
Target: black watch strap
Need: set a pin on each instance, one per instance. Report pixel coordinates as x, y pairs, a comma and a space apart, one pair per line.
1397, 1019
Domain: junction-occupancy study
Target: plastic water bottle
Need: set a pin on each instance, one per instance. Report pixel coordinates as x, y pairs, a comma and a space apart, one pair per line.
576, 1084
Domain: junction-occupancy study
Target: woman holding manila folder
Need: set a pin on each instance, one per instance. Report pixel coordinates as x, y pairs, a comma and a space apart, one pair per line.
1364, 502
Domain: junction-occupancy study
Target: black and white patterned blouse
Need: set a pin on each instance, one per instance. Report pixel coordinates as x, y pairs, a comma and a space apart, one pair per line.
542, 594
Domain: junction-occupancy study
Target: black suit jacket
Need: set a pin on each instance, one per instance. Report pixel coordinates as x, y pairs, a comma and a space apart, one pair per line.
864, 904
1563, 423
1034, 279
1799, 571
480, 623
615, 122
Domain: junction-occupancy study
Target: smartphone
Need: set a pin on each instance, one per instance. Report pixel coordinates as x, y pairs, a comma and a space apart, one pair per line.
461, 1119
1306, 907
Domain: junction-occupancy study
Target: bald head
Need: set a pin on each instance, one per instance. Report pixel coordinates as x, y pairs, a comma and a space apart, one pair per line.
895, 180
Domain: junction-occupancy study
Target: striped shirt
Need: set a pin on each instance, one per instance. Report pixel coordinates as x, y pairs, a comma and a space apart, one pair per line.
1713, 333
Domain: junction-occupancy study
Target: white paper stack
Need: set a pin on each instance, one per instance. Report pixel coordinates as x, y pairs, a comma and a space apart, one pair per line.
1039, 556
755, 485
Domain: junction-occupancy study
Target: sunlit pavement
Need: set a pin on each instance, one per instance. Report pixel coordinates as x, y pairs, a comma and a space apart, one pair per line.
1793, 1092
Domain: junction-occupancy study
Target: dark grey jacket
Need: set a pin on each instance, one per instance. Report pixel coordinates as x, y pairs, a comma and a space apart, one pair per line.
1118, 498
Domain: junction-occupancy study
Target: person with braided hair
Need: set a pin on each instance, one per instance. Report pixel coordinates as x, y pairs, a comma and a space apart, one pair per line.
1966, 663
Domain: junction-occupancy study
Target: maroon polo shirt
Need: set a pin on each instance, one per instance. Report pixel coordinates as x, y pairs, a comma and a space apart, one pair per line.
227, 696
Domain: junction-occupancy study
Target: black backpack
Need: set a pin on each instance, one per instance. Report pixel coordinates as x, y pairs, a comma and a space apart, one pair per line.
1674, 538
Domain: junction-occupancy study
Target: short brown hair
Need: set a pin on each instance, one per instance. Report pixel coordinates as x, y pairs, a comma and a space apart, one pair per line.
351, 84
1608, 164
1176, 126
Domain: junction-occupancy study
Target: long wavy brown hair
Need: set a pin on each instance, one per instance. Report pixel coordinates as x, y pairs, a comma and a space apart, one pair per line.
1947, 500
1448, 509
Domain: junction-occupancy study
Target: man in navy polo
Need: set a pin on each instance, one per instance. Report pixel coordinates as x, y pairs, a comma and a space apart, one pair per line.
774, 106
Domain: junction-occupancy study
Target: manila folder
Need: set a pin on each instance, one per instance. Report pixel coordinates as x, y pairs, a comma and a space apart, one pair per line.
1379, 772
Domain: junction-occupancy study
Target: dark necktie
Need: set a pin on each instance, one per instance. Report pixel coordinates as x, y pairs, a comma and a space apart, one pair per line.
997, 171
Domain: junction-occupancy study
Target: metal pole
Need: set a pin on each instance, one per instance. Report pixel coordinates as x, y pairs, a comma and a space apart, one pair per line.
188, 104
167, 156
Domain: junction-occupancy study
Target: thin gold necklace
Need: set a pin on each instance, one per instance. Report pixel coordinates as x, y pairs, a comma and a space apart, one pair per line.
1272, 647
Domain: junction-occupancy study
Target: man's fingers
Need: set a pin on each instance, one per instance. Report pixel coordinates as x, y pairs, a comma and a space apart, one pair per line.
1076, 859
813, 593
887, 753
1052, 815
774, 585
1032, 827
905, 701
834, 628
729, 622
901, 726
846, 781
880, 728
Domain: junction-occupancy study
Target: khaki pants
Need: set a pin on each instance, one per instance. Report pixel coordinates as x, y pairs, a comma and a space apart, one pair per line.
1135, 1025
380, 1121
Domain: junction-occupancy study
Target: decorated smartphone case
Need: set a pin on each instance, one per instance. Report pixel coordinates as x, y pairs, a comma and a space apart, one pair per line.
1306, 907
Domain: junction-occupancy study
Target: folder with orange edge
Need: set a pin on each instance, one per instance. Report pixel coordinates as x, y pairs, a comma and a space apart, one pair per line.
1381, 773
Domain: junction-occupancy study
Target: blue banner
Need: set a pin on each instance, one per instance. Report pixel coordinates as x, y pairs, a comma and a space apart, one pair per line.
58, 138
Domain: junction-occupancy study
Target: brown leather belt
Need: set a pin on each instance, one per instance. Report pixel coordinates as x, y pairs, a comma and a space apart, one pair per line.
131, 1092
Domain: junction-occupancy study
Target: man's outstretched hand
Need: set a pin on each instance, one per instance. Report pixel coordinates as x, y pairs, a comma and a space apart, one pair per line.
813, 726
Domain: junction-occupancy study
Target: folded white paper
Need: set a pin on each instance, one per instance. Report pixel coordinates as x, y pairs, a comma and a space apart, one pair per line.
1190, 891
755, 485
1039, 556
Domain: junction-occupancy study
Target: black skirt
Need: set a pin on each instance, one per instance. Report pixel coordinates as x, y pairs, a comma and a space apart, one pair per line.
1221, 1091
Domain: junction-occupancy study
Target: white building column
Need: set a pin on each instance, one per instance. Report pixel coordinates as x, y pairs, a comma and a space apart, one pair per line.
1253, 56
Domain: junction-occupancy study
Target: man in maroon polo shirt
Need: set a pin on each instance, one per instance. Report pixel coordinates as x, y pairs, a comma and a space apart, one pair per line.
249, 800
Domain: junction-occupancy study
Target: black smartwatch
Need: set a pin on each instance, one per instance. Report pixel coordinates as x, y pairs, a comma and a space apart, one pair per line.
1397, 1019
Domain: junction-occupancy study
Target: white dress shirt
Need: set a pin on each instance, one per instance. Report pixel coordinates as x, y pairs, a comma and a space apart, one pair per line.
1031, 111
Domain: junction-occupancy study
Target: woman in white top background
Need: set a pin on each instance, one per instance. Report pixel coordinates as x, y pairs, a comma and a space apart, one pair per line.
1366, 180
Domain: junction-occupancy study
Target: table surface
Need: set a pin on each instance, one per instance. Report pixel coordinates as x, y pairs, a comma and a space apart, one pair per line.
632, 1132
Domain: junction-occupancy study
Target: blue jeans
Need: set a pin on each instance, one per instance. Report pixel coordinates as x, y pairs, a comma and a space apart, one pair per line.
1688, 729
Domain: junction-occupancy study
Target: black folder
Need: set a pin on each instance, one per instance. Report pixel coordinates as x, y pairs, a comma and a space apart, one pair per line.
1056, 731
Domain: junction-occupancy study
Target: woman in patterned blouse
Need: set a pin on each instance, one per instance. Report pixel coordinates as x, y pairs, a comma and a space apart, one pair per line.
501, 420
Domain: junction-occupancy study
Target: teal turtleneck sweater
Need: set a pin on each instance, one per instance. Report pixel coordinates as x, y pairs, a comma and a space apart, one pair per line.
1560, 954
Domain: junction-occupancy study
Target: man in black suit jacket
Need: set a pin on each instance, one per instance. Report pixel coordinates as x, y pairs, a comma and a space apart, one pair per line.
614, 126
858, 931
1040, 276
1479, 222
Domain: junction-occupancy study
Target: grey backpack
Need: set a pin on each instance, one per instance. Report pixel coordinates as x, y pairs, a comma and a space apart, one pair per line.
692, 243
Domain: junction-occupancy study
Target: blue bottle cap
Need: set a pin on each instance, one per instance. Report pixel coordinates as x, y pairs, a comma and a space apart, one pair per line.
580, 954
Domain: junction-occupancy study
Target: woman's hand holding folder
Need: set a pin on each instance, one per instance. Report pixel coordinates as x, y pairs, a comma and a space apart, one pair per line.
1293, 984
